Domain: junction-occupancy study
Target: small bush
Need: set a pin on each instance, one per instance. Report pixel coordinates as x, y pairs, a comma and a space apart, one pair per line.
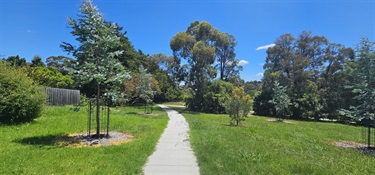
21, 100
238, 106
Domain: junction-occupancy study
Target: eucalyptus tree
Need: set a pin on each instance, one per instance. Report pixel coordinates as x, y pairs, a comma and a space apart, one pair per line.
170, 65
288, 62
37, 62
169, 74
196, 45
333, 79
15, 61
312, 69
227, 63
96, 57
129, 58
201, 45
61, 63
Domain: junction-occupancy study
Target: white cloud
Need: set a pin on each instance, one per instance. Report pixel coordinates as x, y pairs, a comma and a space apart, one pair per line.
260, 74
30, 31
243, 62
265, 47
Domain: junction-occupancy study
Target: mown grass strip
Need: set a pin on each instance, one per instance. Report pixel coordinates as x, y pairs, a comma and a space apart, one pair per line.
264, 147
32, 148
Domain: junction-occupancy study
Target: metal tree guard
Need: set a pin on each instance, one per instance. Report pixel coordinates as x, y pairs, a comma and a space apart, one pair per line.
369, 127
104, 119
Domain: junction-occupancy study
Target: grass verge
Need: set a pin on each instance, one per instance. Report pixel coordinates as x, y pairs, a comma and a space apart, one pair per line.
264, 147
32, 148
175, 103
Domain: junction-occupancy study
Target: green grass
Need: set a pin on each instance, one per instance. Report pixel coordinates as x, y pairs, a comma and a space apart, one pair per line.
175, 103
263, 147
32, 149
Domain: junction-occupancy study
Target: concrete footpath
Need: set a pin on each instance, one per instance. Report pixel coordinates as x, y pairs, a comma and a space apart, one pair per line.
173, 154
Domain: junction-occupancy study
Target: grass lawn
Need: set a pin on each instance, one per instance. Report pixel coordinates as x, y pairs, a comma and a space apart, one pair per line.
174, 103
263, 147
32, 149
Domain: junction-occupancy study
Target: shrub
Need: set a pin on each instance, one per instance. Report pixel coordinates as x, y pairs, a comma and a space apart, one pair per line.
49, 77
21, 100
238, 106
216, 96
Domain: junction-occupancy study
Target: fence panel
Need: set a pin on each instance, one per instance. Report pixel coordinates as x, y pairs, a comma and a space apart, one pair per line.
61, 97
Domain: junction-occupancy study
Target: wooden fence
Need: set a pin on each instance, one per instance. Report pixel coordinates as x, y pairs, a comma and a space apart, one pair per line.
58, 96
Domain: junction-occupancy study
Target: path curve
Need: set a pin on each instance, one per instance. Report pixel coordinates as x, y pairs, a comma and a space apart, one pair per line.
173, 154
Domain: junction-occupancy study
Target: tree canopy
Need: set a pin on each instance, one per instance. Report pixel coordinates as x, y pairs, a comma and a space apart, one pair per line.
96, 54
362, 74
207, 50
312, 70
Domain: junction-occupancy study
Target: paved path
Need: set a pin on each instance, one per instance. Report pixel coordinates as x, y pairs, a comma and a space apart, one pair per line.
173, 153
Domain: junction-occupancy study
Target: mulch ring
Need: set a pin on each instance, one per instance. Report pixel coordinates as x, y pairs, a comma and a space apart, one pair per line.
79, 140
355, 145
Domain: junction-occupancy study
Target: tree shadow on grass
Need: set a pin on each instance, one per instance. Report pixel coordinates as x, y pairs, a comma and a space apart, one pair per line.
131, 113
142, 114
16, 123
370, 152
58, 140
238, 126
361, 147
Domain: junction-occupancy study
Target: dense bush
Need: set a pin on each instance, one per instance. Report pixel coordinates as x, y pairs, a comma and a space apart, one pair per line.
213, 99
216, 96
49, 77
21, 99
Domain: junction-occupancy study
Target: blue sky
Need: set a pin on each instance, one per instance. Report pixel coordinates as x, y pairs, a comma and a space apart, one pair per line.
37, 27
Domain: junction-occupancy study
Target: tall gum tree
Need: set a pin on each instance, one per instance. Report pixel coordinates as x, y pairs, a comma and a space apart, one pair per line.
202, 45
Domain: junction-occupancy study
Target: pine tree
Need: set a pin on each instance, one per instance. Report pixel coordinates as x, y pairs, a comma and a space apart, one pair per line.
363, 73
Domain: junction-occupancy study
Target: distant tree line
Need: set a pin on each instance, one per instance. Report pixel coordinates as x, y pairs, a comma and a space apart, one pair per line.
319, 77
305, 77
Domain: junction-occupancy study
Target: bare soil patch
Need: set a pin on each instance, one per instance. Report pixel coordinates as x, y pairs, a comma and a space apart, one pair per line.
79, 140
355, 145
348, 144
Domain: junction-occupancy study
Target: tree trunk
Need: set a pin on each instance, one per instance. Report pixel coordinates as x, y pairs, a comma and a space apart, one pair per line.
369, 136
237, 120
98, 112
222, 71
